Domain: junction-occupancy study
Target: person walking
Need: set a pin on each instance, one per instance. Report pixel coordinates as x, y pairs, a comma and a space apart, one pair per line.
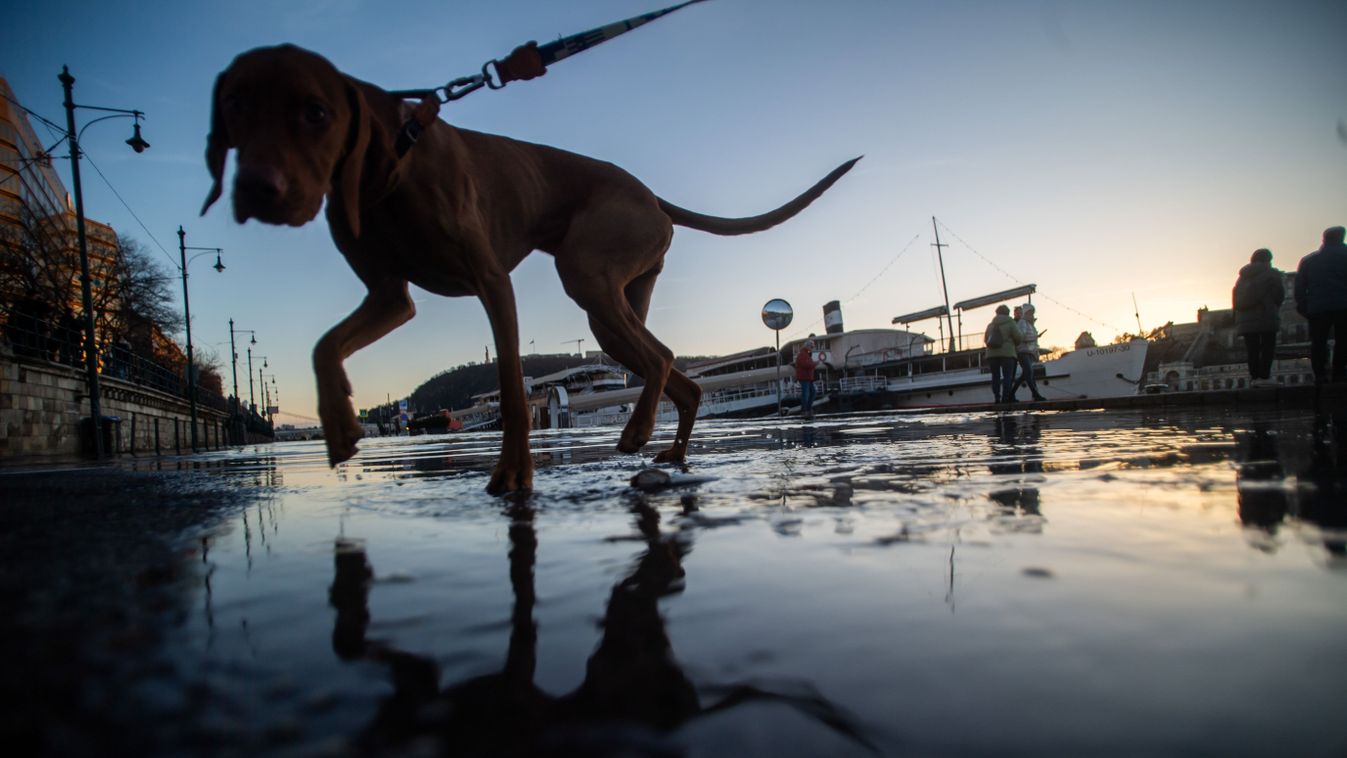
1257, 299
1026, 353
1001, 338
804, 373
1321, 297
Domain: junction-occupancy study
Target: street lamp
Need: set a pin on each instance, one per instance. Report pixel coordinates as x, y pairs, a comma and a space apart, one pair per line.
262, 387
138, 144
187, 311
271, 395
777, 315
252, 400
234, 355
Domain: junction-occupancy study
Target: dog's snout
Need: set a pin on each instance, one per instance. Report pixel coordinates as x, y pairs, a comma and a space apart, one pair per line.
261, 184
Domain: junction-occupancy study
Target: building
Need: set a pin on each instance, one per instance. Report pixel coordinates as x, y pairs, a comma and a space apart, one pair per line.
1208, 355
39, 253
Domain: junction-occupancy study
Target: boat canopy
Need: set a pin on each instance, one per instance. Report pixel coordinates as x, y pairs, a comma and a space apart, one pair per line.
912, 318
996, 297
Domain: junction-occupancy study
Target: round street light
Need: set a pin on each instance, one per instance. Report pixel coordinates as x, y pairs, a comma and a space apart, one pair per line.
777, 315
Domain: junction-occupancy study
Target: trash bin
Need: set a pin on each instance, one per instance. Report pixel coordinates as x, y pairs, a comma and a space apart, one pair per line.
110, 426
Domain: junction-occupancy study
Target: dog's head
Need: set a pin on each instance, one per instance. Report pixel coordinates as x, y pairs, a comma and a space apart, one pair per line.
302, 131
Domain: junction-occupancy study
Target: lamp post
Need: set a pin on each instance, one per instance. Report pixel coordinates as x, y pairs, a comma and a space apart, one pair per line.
275, 395
266, 395
187, 312
236, 413
777, 315
252, 403
234, 354
251, 398
263, 391
138, 144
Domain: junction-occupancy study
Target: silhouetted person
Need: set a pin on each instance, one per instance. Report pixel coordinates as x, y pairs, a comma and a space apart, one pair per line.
804, 373
1321, 297
1002, 337
1257, 299
1027, 351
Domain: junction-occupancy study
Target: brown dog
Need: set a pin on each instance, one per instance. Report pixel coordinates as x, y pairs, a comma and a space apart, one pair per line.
454, 216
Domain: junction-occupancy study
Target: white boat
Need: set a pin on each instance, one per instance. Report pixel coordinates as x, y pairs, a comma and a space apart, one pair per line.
962, 378
870, 369
595, 385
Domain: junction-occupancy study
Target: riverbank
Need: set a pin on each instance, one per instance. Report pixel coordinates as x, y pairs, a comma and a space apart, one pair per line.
1146, 581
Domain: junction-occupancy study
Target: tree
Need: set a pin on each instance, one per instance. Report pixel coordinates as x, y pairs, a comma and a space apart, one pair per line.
40, 281
209, 371
144, 311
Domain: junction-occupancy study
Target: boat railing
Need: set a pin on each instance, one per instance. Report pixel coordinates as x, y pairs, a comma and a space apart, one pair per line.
860, 384
727, 396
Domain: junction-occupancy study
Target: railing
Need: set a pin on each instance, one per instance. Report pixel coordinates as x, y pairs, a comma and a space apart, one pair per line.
860, 384
63, 343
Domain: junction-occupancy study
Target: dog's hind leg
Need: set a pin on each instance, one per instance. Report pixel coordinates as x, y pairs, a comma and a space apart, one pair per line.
627, 340
385, 308
607, 264
685, 393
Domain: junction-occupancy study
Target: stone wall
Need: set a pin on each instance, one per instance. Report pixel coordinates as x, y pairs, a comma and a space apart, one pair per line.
42, 405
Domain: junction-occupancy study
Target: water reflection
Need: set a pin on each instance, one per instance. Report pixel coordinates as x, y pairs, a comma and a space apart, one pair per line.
1321, 490
1017, 460
1259, 474
634, 692
172, 603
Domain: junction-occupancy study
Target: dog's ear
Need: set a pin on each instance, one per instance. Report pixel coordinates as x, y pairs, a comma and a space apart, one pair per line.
217, 144
368, 167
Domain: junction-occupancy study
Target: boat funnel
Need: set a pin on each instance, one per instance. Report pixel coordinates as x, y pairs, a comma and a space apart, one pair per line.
832, 317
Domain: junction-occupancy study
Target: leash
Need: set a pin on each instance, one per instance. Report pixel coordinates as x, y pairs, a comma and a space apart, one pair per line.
528, 61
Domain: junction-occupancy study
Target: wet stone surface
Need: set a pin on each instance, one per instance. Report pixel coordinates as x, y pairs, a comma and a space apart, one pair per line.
960, 584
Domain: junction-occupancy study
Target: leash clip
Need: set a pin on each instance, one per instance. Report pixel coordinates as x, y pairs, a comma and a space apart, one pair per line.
461, 87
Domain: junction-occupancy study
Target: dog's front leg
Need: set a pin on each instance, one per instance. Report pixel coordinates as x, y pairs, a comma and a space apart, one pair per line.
514, 470
385, 308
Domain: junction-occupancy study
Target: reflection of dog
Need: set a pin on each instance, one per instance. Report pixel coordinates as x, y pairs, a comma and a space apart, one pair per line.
634, 690
454, 216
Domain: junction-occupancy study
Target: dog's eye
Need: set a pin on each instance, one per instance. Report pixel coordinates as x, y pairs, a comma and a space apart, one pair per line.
315, 114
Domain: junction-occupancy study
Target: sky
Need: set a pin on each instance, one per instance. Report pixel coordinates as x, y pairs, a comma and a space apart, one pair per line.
1104, 150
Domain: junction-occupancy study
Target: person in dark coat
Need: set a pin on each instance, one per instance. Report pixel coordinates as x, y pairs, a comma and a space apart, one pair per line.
1002, 337
1321, 297
1258, 297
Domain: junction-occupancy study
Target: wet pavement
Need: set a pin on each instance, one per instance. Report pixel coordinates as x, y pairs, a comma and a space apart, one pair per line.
1158, 582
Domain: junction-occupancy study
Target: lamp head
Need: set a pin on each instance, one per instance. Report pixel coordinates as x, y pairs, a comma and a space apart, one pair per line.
219, 264
137, 142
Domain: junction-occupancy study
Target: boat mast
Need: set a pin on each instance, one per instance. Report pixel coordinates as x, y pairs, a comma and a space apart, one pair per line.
949, 315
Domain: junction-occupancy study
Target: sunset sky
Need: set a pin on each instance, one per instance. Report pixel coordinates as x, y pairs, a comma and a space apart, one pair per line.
1100, 149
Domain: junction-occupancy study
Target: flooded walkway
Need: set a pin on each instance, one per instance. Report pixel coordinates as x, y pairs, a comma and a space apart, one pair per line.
1152, 582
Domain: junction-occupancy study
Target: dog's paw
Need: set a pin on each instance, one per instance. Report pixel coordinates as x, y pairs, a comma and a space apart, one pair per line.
507, 479
675, 454
342, 451
634, 436
341, 435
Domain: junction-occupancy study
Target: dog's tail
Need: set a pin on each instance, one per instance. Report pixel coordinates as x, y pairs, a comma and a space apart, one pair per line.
731, 226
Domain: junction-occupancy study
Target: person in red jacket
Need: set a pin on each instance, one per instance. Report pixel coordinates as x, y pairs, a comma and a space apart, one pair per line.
804, 373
